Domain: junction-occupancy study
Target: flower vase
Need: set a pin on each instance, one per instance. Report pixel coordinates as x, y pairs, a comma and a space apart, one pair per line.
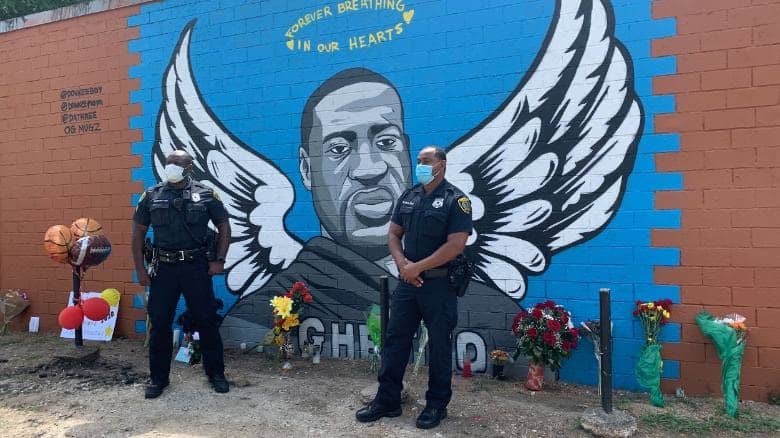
498, 371
286, 356
535, 378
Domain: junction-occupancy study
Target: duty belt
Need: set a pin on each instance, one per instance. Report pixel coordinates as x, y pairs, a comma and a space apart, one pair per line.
183, 255
436, 273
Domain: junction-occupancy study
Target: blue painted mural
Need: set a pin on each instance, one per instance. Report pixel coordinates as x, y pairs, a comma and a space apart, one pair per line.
305, 120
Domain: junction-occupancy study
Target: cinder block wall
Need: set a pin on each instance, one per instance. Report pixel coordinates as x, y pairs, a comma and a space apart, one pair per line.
727, 90
65, 154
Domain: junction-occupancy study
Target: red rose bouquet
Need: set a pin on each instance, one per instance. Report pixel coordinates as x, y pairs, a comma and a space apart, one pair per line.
545, 334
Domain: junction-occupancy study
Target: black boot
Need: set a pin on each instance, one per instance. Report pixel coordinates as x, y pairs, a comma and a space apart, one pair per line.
219, 383
431, 417
375, 411
154, 390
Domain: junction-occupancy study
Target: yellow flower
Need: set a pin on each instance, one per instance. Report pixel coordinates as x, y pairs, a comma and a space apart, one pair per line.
290, 322
651, 305
282, 306
667, 315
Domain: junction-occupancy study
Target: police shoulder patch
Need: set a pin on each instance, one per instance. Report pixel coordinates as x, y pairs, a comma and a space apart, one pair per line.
465, 204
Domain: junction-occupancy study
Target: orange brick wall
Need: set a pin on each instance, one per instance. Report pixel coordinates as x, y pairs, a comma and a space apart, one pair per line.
49, 177
728, 116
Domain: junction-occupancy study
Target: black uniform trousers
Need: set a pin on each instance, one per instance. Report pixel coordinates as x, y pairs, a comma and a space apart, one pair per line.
192, 279
438, 308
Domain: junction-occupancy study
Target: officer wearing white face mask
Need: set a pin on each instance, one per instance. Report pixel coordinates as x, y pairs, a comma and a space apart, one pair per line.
179, 211
433, 219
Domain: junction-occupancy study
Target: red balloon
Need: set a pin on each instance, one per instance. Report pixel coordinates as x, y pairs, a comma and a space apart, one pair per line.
96, 308
71, 317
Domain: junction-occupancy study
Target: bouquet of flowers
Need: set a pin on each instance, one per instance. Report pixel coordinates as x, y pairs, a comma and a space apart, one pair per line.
545, 334
12, 304
653, 314
729, 335
499, 357
287, 309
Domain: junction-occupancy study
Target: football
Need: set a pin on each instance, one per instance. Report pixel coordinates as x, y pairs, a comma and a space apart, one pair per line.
56, 242
85, 227
90, 251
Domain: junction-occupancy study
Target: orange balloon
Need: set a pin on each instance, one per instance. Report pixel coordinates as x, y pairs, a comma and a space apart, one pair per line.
56, 242
85, 226
71, 317
96, 309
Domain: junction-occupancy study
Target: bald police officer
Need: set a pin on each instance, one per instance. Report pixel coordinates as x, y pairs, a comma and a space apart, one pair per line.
434, 220
179, 210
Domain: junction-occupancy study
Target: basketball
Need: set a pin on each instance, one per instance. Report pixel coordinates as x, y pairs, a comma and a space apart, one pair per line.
85, 227
90, 251
56, 242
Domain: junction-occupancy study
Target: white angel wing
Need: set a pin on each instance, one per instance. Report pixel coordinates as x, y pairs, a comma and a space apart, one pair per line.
256, 194
548, 168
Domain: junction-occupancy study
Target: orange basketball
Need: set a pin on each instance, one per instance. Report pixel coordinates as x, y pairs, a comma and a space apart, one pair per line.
56, 242
85, 227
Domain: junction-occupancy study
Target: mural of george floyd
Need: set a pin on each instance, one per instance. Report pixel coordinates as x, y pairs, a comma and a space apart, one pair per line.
616, 144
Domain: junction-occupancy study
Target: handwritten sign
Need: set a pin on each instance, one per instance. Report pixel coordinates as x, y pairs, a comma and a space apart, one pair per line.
79, 108
402, 16
102, 330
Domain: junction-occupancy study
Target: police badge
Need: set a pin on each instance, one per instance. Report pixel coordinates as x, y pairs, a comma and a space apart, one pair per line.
465, 204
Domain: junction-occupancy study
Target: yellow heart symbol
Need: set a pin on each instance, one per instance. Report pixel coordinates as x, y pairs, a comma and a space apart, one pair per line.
408, 16
290, 44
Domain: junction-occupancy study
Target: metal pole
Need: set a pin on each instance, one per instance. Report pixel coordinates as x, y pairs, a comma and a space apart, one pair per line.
384, 307
606, 351
76, 297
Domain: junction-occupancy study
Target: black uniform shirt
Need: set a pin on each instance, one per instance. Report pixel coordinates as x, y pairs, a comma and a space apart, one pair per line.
168, 209
427, 220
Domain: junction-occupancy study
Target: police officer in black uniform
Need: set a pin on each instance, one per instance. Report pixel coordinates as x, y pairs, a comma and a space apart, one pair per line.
434, 220
179, 210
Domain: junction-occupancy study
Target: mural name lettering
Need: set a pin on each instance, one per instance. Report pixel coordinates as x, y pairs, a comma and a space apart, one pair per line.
351, 340
353, 42
75, 119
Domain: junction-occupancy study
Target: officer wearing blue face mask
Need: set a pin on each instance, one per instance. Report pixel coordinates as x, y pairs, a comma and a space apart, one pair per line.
179, 210
433, 220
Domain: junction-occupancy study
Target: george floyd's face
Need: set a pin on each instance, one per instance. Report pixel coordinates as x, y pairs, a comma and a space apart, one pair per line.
357, 164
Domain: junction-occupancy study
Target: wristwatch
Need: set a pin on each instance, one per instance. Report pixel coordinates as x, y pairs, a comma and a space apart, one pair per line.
221, 259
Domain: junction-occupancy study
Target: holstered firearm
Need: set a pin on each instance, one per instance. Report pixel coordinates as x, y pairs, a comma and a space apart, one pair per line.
151, 257
459, 275
210, 243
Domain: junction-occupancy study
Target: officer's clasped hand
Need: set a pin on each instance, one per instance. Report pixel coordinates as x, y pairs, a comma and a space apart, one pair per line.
411, 273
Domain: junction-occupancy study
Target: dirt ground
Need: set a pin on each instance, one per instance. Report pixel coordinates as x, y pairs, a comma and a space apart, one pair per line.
42, 396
